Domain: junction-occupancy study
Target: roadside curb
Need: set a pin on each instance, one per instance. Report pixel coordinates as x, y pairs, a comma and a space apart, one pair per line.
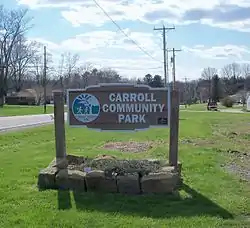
23, 126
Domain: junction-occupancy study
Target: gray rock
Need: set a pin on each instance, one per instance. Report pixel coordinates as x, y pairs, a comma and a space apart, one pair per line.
97, 181
60, 163
52, 163
71, 180
168, 169
158, 162
161, 182
46, 178
129, 184
172, 169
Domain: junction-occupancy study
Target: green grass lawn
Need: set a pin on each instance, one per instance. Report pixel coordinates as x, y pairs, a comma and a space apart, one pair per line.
203, 107
19, 110
211, 197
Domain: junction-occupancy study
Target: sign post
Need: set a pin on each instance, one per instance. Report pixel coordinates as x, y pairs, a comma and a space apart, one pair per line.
174, 129
59, 128
120, 107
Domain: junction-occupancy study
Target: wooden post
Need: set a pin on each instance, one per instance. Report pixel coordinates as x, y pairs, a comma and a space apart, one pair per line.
45, 81
59, 129
1, 83
174, 129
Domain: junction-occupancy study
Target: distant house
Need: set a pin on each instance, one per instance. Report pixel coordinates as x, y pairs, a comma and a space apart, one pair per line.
25, 97
34, 96
240, 97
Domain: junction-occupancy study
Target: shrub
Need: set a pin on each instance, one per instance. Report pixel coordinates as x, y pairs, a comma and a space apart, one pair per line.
227, 102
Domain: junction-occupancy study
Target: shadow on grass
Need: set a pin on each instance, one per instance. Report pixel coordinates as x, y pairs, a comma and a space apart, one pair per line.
64, 200
155, 206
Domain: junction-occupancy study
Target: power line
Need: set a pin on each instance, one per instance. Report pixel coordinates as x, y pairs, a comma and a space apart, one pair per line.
125, 34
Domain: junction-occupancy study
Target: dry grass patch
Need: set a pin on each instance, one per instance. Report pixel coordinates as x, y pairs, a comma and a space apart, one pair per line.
232, 139
129, 146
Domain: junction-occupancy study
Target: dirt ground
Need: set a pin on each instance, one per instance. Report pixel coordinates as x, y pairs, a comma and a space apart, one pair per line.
131, 146
230, 139
233, 140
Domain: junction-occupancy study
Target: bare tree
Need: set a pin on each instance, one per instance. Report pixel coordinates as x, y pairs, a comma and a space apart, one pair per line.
245, 71
23, 54
59, 71
13, 24
207, 75
71, 61
232, 70
67, 68
85, 74
37, 72
107, 75
230, 73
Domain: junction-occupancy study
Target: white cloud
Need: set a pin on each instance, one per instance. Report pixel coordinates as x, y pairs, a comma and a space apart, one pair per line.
98, 48
219, 52
229, 14
112, 49
96, 40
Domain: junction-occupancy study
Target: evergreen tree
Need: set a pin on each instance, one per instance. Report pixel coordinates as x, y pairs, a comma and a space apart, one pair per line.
215, 88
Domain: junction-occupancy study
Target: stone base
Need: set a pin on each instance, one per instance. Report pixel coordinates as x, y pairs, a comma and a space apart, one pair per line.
129, 184
111, 176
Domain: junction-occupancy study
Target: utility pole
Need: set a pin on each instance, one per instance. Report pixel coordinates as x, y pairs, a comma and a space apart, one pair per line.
165, 55
173, 63
186, 93
44, 80
1, 83
167, 66
61, 74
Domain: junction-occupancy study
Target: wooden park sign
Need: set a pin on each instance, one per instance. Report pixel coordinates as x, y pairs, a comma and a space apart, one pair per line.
115, 107
118, 107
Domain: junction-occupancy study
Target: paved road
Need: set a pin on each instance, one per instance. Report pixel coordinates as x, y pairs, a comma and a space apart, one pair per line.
20, 122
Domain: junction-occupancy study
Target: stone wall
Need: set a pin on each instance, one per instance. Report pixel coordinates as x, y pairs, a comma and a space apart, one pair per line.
164, 180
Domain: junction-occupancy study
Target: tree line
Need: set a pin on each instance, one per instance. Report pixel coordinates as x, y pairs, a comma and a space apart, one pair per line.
22, 66
213, 84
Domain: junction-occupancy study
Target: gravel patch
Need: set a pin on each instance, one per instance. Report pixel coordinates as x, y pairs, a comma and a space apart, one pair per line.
130, 147
240, 164
110, 165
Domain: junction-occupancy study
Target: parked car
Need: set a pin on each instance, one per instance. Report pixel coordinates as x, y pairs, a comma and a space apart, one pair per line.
212, 106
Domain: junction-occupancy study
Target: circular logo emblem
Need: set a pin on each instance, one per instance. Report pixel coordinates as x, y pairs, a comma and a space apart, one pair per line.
86, 108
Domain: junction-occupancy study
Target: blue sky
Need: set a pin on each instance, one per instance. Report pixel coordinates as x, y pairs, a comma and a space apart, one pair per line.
210, 33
